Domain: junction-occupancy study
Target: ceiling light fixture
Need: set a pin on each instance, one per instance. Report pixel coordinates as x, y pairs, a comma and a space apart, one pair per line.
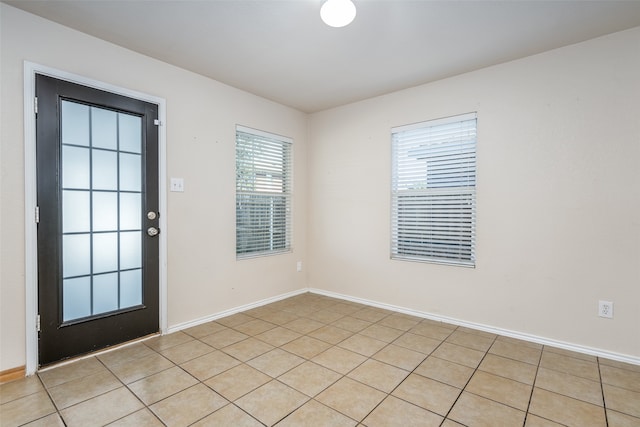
338, 13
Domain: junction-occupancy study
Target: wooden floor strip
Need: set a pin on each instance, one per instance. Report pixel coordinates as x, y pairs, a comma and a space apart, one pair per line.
12, 374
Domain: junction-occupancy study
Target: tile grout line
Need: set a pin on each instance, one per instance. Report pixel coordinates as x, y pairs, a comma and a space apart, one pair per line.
410, 372
469, 380
59, 410
604, 402
289, 352
197, 379
203, 381
53, 403
126, 387
310, 398
310, 361
354, 368
148, 407
389, 393
444, 418
360, 364
533, 385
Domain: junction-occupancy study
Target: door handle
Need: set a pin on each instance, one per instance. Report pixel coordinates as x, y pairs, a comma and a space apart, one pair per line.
152, 231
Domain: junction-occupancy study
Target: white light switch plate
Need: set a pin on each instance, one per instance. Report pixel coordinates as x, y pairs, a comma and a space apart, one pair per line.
177, 184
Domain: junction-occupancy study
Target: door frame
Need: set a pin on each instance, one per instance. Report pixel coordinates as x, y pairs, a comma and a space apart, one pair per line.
30, 200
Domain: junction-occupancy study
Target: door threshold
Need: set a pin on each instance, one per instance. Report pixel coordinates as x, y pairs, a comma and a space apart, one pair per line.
97, 352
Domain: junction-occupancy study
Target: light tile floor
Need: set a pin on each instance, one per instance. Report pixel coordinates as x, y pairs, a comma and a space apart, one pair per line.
311, 360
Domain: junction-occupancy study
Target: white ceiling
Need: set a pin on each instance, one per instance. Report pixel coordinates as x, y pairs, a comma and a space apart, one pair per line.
281, 50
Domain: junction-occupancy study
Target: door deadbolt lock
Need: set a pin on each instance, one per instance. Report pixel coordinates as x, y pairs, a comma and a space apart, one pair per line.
152, 215
152, 231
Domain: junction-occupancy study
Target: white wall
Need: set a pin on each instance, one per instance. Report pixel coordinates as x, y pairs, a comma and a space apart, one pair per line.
203, 275
558, 197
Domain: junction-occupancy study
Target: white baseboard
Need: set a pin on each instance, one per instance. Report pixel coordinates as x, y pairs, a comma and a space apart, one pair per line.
221, 314
499, 331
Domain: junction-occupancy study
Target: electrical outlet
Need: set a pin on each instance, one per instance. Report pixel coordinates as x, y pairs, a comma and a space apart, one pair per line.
605, 309
299, 266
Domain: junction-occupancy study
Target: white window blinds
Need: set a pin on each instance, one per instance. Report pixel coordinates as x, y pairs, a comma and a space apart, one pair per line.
263, 193
433, 200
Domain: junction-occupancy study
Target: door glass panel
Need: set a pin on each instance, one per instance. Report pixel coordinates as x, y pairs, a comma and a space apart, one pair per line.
76, 302
104, 128
105, 252
76, 255
130, 130
130, 172
75, 127
75, 167
105, 170
102, 227
130, 288
105, 292
130, 204
105, 211
130, 250
76, 208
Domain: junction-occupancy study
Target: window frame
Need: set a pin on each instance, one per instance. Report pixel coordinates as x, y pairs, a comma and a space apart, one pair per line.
266, 191
440, 211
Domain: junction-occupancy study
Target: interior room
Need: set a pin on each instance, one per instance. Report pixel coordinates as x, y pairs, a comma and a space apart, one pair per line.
539, 324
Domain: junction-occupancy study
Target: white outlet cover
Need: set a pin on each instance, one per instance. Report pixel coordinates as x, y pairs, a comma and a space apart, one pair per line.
605, 309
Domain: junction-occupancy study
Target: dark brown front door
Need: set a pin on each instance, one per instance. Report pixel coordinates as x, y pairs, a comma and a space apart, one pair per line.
97, 176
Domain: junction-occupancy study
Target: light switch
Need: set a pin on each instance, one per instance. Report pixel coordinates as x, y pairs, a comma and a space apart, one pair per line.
177, 184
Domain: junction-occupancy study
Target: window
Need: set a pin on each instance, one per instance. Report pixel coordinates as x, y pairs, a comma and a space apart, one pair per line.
263, 193
433, 191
